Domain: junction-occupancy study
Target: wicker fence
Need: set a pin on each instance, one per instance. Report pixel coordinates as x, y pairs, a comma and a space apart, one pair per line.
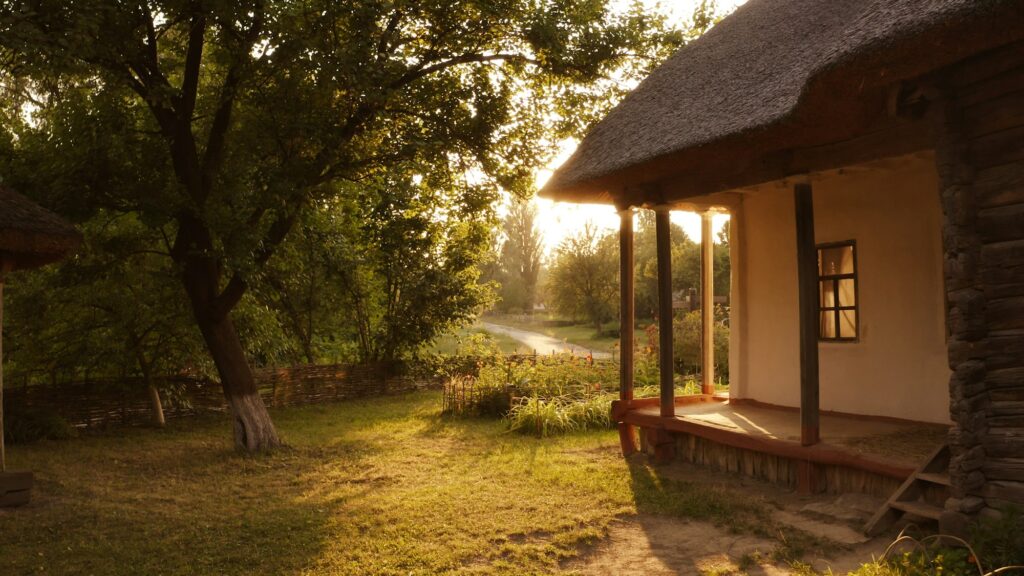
102, 403
125, 402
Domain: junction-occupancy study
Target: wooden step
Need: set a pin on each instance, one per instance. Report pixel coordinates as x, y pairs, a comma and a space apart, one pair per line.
918, 508
907, 497
934, 478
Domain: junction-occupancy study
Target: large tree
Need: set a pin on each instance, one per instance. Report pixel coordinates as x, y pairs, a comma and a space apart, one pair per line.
520, 256
375, 274
218, 122
583, 280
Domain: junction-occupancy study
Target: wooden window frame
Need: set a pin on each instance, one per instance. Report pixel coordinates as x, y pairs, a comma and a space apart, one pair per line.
835, 309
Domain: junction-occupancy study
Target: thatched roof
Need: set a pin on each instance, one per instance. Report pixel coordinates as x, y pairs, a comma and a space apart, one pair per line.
773, 68
31, 235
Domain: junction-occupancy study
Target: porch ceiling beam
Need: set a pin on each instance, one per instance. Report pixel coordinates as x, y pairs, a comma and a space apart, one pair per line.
662, 227
885, 139
707, 303
627, 437
807, 278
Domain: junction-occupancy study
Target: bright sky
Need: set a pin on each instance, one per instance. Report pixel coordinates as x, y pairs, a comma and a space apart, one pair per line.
558, 220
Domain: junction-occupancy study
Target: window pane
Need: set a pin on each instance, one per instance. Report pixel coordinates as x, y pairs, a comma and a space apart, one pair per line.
835, 260
847, 293
848, 323
828, 324
828, 295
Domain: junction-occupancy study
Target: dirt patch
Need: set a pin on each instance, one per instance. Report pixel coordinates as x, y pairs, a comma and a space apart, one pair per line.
658, 546
662, 546
650, 544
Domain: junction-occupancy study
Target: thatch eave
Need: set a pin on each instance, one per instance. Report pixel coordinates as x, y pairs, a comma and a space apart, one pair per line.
777, 75
30, 235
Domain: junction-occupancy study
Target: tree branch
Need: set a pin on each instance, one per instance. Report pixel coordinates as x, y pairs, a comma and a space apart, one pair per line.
193, 65
213, 158
384, 46
419, 72
237, 286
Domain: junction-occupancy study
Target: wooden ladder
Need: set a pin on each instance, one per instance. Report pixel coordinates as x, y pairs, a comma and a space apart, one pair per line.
912, 497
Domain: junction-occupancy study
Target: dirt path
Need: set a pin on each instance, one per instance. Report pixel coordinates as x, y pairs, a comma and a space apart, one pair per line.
542, 342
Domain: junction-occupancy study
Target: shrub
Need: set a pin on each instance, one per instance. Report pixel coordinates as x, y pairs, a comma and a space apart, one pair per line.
549, 416
687, 343
1000, 542
544, 395
27, 425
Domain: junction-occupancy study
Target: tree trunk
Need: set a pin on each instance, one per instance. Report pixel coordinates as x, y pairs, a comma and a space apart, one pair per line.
154, 394
254, 430
158, 407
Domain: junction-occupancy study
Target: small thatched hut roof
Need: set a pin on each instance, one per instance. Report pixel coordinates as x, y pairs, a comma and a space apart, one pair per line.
31, 235
775, 75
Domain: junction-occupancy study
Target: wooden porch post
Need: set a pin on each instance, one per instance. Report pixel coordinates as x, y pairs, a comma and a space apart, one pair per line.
807, 274
627, 436
665, 366
707, 304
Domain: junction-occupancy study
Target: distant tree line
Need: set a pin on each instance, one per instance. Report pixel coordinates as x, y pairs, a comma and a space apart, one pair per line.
583, 279
583, 285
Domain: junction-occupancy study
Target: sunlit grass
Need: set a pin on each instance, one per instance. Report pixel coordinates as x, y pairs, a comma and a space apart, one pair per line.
385, 486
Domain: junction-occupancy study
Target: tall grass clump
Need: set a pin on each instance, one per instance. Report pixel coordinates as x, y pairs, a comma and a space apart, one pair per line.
545, 417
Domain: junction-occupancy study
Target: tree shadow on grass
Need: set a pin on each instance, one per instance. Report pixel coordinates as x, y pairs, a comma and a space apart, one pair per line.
177, 501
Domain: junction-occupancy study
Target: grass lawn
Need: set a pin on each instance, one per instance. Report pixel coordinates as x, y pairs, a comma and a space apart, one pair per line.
384, 486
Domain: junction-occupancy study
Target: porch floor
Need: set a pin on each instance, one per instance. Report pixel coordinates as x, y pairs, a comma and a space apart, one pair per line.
896, 443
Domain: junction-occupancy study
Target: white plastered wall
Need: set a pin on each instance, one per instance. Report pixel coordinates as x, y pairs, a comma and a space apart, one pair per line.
899, 366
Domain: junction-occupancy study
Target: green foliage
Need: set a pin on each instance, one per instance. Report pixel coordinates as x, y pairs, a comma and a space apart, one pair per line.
583, 280
1000, 542
382, 271
687, 343
550, 375
994, 544
221, 127
547, 395
936, 562
26, 425
545, 417
517, 259
647, 371
685, 264
116, 309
